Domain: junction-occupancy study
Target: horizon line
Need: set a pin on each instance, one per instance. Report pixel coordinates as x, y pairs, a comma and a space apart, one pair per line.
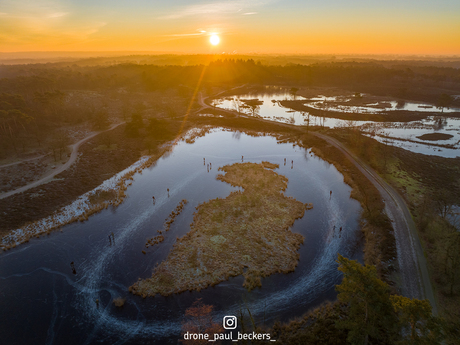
153, 52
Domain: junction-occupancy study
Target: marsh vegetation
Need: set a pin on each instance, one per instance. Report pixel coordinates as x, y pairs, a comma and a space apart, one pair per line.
246, 233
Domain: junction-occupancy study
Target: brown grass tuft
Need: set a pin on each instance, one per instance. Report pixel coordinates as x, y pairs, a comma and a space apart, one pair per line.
119, 302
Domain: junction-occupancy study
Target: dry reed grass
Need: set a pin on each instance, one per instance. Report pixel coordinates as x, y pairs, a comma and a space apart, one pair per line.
246, 233
119, 302
167, 225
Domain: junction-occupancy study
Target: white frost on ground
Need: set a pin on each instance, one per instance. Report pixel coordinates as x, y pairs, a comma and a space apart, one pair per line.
70, 213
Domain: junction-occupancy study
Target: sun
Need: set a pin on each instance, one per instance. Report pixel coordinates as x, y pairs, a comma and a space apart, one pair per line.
214, 39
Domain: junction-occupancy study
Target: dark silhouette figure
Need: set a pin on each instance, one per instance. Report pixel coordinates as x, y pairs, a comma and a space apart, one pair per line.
284, 161
153, 200
72, 266
207, 166
204, 161
168, 191
340, 229
330, 194
242, 158
292, 164
97, 303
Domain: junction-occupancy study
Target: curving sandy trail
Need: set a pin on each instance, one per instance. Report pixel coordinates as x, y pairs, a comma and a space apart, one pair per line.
48, 177
23, 161
204, 105
415, 279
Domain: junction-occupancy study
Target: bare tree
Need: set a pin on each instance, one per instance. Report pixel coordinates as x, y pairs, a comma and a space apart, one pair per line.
443, 202
59, 144
11, 122
101, 119
236, 104
444, 101
293, 91
385, 149
253, 105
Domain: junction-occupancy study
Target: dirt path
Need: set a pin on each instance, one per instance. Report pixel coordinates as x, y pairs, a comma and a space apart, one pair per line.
23, 161
51, 174
415, 280
204, 105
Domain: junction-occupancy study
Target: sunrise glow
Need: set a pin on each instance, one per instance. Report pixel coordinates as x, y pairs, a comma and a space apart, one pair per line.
214, 39
331, 27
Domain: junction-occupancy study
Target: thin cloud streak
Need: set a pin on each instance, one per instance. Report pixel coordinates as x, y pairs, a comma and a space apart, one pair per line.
46, 21
184, 35
222, 7
32, 8
199, 32
58, 14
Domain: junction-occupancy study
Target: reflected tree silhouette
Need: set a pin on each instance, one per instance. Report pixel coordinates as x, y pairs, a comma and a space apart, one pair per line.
440, 123
400, 104
237, 104
236, 135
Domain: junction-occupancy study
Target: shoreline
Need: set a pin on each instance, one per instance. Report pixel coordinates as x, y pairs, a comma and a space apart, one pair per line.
110, 192
274, 129
84, 206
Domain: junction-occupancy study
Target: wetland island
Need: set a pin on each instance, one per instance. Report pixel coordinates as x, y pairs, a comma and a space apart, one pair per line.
245, 233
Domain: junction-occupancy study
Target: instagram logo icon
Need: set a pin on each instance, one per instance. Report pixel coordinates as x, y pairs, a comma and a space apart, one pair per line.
229, 322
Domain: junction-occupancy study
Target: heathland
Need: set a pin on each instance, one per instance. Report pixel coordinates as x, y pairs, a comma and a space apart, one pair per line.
42, 105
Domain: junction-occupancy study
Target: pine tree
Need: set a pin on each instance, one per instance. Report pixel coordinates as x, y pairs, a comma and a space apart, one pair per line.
415, 315
371, 317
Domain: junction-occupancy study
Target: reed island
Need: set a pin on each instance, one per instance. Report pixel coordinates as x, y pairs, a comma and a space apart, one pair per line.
247, 233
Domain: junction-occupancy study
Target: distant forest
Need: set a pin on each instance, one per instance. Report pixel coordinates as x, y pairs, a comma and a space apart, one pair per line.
402, 79
35, 99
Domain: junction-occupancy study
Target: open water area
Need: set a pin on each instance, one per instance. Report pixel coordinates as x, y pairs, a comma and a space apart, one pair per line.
402, 134
46, 300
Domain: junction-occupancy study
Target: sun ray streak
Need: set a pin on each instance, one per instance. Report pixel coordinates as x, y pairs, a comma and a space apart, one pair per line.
189, 108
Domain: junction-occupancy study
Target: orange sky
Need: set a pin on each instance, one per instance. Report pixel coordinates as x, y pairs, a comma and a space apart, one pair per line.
261, 26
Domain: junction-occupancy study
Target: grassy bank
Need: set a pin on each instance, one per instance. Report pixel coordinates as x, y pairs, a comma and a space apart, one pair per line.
430, 186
